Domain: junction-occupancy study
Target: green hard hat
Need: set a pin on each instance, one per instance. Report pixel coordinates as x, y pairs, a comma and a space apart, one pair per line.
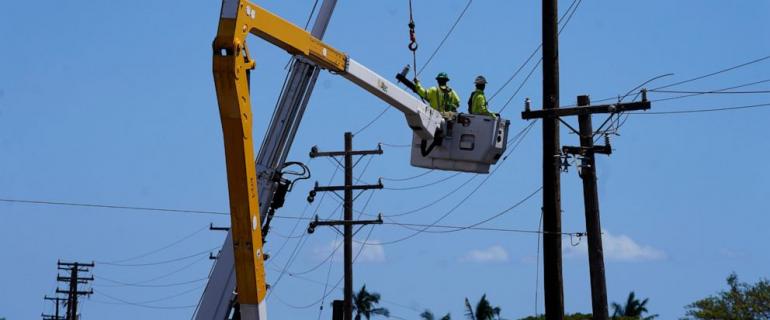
442, 75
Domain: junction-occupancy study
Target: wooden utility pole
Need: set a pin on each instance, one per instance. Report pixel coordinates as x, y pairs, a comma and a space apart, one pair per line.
591, 203
552, 259
74, 280
57, 303
586, 152
347, 221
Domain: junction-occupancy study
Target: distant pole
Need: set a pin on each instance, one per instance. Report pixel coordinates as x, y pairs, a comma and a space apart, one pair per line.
74, 279
552, 259
593, 224
347, 221
348, 216
57, 303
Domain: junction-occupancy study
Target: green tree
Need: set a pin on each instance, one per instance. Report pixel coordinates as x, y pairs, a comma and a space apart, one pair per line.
633, 309
741, 301
484, 310
428, 315
574, 316
365, 304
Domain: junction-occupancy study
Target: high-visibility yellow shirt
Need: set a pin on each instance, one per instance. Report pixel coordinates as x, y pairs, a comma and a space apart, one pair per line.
440, 99
478, 104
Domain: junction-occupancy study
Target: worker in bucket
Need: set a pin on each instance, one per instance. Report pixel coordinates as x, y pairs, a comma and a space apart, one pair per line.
477, 103
442, 97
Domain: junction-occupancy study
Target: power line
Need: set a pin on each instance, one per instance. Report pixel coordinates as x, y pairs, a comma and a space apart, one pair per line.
713, 73
397, 146
459, 186
474, 226
715, 90
139, 305
711, 92
161, 248
304, 211
446, 36
165, 285
467, 196
410, 177
165, 275
146, 304
372, 121
617, 126
459, 228
105, 206
155, 263
753, 106
532, 55
569, 16
336, 286
303, 239
424, 185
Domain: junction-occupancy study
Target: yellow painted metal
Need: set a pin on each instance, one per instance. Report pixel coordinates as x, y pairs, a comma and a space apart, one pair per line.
231, 64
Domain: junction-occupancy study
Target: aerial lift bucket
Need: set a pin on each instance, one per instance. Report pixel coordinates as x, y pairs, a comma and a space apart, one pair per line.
469, 143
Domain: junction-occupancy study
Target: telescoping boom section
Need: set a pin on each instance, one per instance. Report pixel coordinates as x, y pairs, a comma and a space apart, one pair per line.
465, 143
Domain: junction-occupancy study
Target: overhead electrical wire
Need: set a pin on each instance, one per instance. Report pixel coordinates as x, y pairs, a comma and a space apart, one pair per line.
475, 225
426, 172
711, 92
162, 276
104, 206
446, 36
532, 55
425, 185
703, 110
427, 62
148, 253
294, 228
329, 258
314, 303
146, 304
712, 73
466, 197
568, 14
117, 301
336, 248
451, 192
117, 283
155, 263
303, 239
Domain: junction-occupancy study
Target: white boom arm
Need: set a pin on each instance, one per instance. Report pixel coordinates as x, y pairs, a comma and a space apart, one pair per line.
423, 119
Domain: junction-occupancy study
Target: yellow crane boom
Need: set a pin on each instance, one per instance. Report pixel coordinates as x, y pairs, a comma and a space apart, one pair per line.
473, 145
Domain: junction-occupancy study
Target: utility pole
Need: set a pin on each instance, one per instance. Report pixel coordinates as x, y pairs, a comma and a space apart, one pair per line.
586, 152
57, 302
74, 280
347, 221
552, 259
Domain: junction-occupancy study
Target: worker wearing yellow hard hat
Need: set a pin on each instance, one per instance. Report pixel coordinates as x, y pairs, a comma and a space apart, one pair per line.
441, 97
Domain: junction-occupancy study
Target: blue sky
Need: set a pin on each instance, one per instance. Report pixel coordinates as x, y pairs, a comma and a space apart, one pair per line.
115, 104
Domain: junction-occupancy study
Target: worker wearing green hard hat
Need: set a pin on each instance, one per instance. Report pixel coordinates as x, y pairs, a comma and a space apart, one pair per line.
477, 103
441, 97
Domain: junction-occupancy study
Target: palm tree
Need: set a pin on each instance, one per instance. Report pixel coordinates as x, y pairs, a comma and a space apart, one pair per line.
484, 310
364, 302
428, 315
633, 308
